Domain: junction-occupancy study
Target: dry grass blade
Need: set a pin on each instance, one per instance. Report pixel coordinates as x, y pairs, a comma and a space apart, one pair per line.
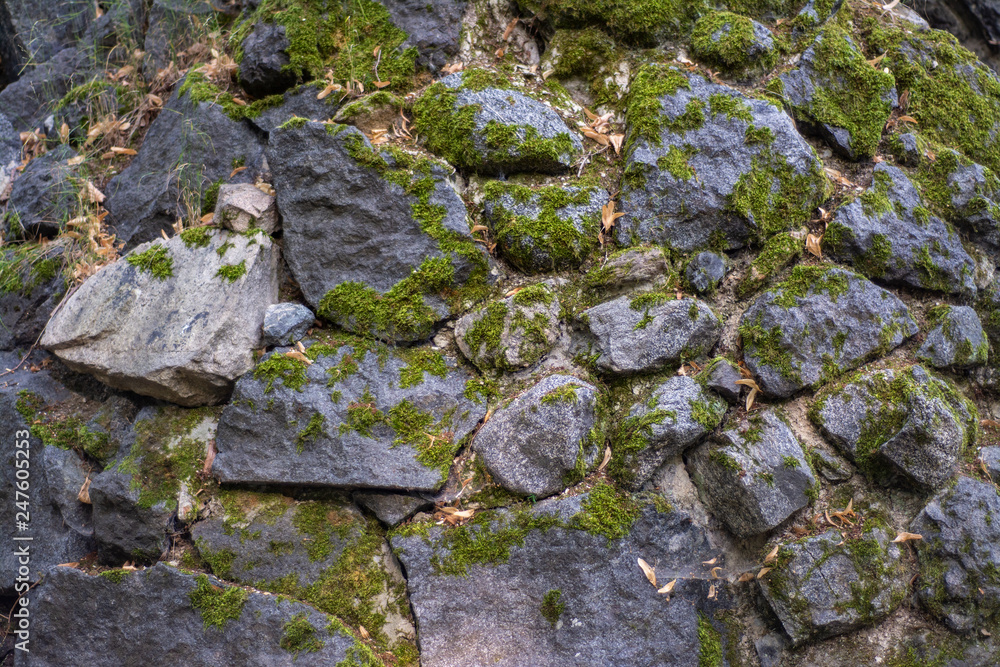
754, 389
715, 572
606, 460
648, 570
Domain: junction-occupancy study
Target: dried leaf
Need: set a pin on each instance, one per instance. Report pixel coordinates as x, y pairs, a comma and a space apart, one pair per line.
236, 171
748, 382
710, 562
83, 495
906, 537
382, 84
668, 587
64, 133
209, 458
813, 245
73, 161
599, 138
480, 228
606, 460
73, 564
648, 571
456, 66
875, 61
300, 346
617, 140
295, 354
207, 218
93, 194
890, 6
509, 30
711, 592
364, 633
121, 150
745, 577
376, 51
715, 572
772, 555
608, 216
763, 571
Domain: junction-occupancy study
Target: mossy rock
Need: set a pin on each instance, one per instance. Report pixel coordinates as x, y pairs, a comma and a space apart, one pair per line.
736, 45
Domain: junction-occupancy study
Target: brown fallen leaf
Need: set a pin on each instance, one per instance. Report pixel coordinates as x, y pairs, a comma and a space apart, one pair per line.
84, 494
906, 537
648, 570
73, 564
606, 460
602, 139
668, 587
711, 592
763, 571
93, 194
73, 161
745, 577
207, 218
163, 233
715, 572
364, 633
295, 354
121, 150
875, 61
616, 141
480, 228
236, 171
813, 245
64, 133
710, 562
382, 84
772, 555
749, 382
209, 458
609, 216
509, 30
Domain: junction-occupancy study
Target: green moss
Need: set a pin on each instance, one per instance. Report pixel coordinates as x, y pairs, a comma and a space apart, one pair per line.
769, 348
640, 22
196, 237
115, 576
728, 53
875, 260
644, 114
199, 88
291, 372
708, 413
293, 123
607, 512
217, 605
532, 295
709, 643
875, 200
232, 272
552, 606
155, 260
778, 252
312, 431
220, 561
418, 363
487, 543
806, 280
563, 394
299, 636
676, 162
25, 266
70, 432
631, 437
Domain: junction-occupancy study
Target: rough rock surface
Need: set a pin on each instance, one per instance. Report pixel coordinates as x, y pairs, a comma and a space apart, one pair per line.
678, 414
352, 233
432, 27
391, 508
958, 556
188, 148
629, 268
991, 459
826, 585
126, 531
705, 271
562, 579
179, 329
35, 287
43, 197
512, 333
906, 423
357, 417
889, 236
695, 178
285, 323
958, 341
754, 475
160, 614
822, 320
242, 206
735, 44
265, 55
649, 331
720, 375
541, 442
28, 101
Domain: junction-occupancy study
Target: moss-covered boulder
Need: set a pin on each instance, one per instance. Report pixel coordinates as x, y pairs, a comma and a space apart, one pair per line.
837, 94
544, 229
959, 564
43, 197
353, 414
905, 424
705, 271
378, 240
820, 322
958, 340
827, 585
477, 122
264, 69
754, 475
678, 414
647, 331
559, 580
736, 45
889, 235
637, 22
31, 285
707, 166
512, 333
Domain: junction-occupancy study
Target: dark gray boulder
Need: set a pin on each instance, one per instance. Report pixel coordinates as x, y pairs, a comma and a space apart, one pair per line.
991, 459
10, 152
903, 423
512, 333
720, 375
706, 165
173, 26
391, 508
359, 416
12, 50
820, 322
124, 529
705, 271
493, 130
43, 197
889, 236
556, 584
66, 473
736, 45
33, 286
46, 28
542, 442
973, 192
958, 341
432, 27
162, 614
28, 101
265, 57
677, 415
627, 268
958, 556
189, 150
648, 331
546, 229
907, 149
299, 102
835, 94
369, 254
754, 475
827, 585
285, 323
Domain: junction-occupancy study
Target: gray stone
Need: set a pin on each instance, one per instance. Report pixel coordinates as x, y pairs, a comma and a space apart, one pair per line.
958, 341
43, 197
391, 508
352, 234
285, 323
678, 414
151, 616
629, 268
174, 25
708, 198
243, 206
28, 101
646, 332
10, 151
432, 27
125, 530
831, 468
991, 459
46, 28
810, 15
889, 236
754, 475
705, 271
184, 338
299, 102
720, 375
903, 423
824, 76
958, 555
67, 472
975, 193
535, 234
771, 647
358, 417
821, 320
541, 443
497, 112
548, 596
188, 148
908, 150
512, 333
25, 310
736, 45
827, 585
265, 56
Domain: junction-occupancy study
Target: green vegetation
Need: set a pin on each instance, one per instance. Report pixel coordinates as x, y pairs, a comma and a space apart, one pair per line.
552, 606
709, 643
778, 252
196, 237
300, 636
155, 260
607, 512
312, 431
232, 272
25, 266
199, 88
488, 541
69, 432
217, 605
729, 52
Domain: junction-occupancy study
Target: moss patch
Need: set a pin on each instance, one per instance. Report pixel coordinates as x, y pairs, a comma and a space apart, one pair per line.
299, 636
155, 260
217, 605
607, 512
728, 51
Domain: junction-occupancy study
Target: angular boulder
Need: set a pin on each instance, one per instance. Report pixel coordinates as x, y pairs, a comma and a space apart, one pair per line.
820, 322
263, 69
958, 341
33, 286
43, 197
176, 320
432, 27
241, 207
